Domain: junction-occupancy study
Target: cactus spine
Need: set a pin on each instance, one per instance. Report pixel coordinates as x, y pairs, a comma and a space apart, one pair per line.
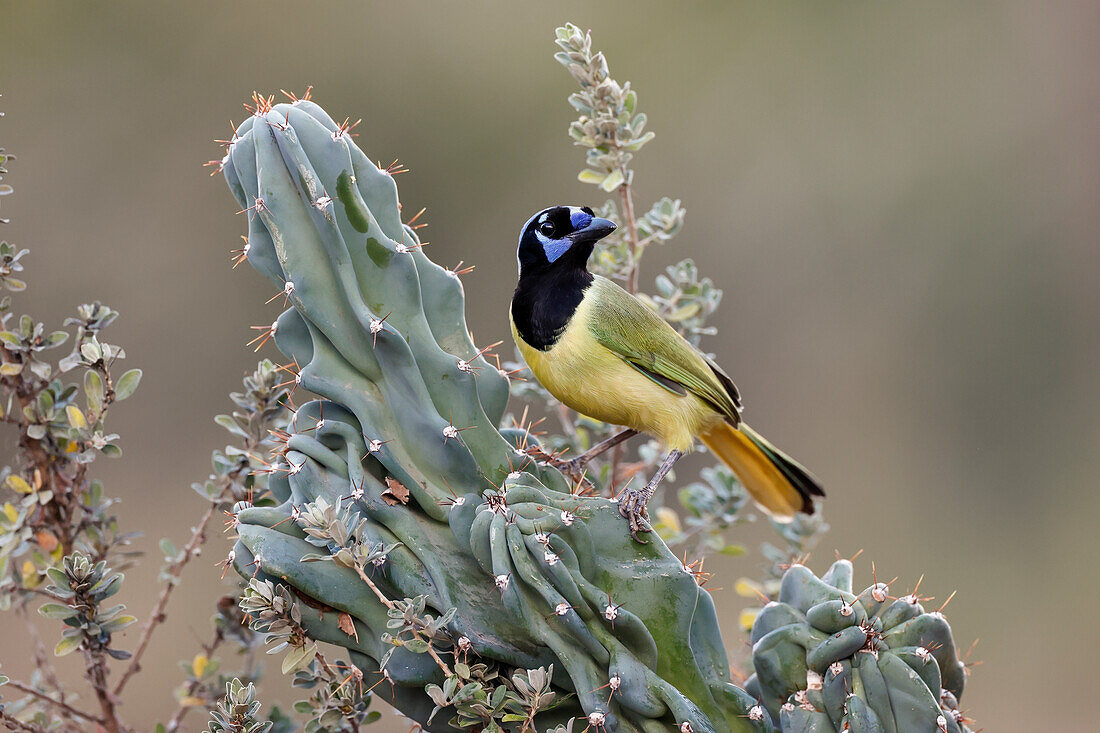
458, 559
827, 659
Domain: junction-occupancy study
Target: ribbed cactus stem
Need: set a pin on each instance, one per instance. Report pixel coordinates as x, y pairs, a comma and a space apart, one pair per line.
405, 449
829, 660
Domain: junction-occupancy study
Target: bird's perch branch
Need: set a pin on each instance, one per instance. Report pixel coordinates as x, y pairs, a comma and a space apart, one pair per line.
626, 197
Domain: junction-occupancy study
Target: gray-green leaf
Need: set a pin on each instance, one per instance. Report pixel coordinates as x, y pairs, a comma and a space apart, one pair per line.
56, 610
67, 645
127, 383
93, 390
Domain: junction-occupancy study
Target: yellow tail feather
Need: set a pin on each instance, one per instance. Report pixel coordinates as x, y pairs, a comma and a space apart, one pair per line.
776, 483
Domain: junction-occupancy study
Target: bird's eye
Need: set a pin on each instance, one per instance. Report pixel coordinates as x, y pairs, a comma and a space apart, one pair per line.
547, 228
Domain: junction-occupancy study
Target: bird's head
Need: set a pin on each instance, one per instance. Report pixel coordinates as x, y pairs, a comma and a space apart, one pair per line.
560, 237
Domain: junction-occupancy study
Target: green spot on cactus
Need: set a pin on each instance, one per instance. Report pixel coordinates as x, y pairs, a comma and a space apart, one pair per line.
486, 538
358, 214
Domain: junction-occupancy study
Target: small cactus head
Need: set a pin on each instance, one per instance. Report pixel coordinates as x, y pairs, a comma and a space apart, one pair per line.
809, 644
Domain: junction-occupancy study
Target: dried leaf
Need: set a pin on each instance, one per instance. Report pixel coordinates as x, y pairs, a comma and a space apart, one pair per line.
346, 625
46, 540
395, 492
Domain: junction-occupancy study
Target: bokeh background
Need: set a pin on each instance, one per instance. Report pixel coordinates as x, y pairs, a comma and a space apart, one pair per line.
900, 200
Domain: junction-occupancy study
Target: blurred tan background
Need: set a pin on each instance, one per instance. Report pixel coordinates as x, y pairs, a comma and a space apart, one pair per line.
900, 202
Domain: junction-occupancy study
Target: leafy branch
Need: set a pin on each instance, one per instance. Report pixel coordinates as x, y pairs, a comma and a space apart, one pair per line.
612, 130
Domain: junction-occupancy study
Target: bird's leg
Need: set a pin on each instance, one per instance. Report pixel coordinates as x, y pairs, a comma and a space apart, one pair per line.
632, 505
575, 467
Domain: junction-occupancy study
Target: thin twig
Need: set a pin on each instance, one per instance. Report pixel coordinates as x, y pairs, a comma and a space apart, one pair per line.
157, 615
626, 197
193, 685
326, 667
377, 591
24, 687
438, 660
332, 678
182, 710
42, 660
38, 592
96, 674
19, 725
390, 604
565, 416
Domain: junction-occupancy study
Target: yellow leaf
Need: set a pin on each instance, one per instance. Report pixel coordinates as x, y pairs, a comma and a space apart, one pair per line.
76, 417
613, 180
591, 176
748, 588
11, 512
684, 312
668, 518
748, 616
199, 664
190, 701
30, 575
57, 553
72, 447
19, 485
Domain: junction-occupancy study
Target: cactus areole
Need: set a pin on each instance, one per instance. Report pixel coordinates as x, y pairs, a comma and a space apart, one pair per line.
829, 660
526, 574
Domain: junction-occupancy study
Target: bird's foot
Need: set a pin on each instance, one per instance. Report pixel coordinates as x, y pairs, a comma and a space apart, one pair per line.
632, 507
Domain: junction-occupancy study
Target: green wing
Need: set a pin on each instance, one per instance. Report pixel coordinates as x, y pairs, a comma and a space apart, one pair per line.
626, 326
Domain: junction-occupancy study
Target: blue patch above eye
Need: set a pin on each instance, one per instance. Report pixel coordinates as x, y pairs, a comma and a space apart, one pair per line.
579, 219
554, 248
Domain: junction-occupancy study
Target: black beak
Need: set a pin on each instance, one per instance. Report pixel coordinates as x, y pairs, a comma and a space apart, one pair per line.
595, 230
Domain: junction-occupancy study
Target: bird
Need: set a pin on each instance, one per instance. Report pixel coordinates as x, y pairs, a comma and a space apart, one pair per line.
605, 354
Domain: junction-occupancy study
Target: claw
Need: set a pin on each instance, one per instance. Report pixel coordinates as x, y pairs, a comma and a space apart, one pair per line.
633, 509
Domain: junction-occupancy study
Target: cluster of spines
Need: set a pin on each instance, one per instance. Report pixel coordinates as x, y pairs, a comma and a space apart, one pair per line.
295, 449
820, 626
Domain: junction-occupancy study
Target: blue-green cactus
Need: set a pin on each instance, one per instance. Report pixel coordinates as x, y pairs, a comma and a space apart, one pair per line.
827, 659
405, 453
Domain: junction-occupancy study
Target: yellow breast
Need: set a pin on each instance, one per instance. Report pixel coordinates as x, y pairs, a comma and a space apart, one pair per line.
595, 381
